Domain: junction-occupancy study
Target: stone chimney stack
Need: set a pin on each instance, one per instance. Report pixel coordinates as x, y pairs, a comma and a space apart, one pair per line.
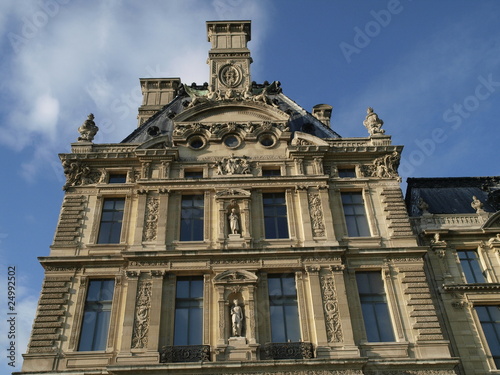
229, 58
323, 112
156, 93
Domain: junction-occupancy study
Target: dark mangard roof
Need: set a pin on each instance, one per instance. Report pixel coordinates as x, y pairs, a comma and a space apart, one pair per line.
452, 195
300, 119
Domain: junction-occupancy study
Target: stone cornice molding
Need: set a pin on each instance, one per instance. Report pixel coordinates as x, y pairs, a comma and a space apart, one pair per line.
483, 287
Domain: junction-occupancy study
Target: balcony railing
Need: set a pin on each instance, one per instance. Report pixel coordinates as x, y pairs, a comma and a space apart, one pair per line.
288, 350
187, 353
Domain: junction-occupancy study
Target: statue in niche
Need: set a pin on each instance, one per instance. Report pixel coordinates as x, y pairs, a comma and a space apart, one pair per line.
236, 319
372, 122
88, 129
234, 222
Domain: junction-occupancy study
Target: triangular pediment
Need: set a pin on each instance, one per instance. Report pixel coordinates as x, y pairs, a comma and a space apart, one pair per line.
228, 111
235, 276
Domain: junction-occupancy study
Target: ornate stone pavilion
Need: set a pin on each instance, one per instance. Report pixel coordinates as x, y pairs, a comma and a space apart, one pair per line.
234, 232
458, 220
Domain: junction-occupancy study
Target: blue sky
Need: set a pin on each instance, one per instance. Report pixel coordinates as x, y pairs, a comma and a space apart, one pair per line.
430, 69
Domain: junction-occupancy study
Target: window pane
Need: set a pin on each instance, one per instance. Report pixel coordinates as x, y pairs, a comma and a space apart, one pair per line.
181, 326
470, 266
489, 316
117, 178
188, 311
355, 214
192, 213
111, 220
347, 172
97, 312
374, 307
283, 308
277, 324
275, 215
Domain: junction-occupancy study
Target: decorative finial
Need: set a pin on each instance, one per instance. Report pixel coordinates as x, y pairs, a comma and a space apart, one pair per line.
88, 129
372, 122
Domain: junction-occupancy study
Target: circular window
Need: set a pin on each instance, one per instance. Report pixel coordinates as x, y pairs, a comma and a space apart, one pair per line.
267, 140
153, 131
196, 142
232, 141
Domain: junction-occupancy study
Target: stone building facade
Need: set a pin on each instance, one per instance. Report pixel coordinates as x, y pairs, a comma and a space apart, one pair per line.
233, 232
458, 221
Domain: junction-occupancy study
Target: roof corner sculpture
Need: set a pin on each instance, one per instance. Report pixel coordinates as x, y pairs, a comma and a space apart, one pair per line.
373, 123
88, 129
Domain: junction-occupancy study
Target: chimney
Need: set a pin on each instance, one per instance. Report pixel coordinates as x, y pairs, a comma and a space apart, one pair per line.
156, 93
323, 112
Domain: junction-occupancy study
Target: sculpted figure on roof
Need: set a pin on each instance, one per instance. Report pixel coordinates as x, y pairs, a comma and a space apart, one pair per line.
88, 129
373, 123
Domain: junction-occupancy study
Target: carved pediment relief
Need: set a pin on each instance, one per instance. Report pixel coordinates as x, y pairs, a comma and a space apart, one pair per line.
304, 139
233, 193
222, 111
235, 276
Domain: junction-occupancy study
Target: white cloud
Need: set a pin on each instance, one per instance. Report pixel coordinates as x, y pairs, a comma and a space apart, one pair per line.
76, 60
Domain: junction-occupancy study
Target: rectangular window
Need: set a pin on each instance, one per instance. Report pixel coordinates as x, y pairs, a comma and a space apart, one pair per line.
193, 174
188, 311
97, 312
374, 306
355, 215
284, 313
271, 172
111, 220
192, 212
347, 172
275, 216
470, 266
117, 178
489, 316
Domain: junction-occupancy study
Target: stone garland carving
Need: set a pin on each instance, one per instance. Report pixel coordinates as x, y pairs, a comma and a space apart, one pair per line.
331, 310
248, 127
233, 165
79, 174
88, 129
384, 166
141, 323
151, 219
373, 123
316, 215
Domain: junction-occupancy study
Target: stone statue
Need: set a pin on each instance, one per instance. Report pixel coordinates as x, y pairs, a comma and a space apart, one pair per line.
423, 206
372, 123
477, 205
88, 129
236, 318
234, 223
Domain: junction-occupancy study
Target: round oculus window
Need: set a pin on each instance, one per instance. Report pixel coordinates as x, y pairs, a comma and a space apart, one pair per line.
196, 142
232, 141
267, 140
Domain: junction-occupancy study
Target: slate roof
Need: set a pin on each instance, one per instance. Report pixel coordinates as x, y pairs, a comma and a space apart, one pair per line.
452, 195
300, 119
